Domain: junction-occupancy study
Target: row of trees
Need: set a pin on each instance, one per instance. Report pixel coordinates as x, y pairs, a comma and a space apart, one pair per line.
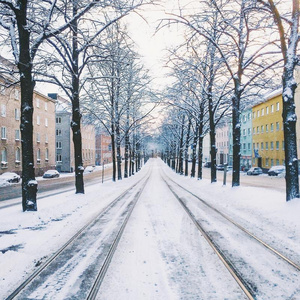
233, 54
54, 41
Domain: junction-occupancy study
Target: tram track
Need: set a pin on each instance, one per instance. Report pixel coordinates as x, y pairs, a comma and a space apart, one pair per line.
113, 217
247, 285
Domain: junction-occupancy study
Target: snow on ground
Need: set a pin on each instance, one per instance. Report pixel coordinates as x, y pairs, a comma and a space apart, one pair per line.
163, 250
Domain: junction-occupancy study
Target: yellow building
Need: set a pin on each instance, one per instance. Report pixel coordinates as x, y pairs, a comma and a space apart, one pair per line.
267, 132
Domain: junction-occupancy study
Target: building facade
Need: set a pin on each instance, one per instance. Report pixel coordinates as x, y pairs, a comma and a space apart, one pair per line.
88, 144
267, 132
64, 147
43, 129
103, 149
222, 144
246, 139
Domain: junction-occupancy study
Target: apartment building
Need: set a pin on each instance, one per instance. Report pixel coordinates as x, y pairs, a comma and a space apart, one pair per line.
103, 149
88, 144
246, 138
43, 129
267, 132
222, 143
64, 147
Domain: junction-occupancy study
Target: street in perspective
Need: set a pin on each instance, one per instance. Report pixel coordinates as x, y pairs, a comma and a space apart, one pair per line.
150, 149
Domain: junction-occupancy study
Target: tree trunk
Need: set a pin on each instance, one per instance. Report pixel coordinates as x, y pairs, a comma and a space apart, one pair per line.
187, 140
236, 135
290, 139
29, 184
181, 153
194, 151
200, 151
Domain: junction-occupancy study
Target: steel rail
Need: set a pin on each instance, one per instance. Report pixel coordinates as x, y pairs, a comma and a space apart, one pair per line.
235, 274
100, 277
69, 242
260, 241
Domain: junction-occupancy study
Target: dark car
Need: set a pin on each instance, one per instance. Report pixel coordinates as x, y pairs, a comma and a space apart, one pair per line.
220, 167
51, 174
10, 177
207, 164
254, 171
277, 170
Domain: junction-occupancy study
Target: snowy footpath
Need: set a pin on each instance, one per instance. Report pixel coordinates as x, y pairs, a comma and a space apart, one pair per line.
161, 254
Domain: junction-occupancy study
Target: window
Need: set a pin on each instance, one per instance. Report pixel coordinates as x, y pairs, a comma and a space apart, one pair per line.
17, 114
267, 110
46, 154
244, 118
267, 161
17, 134
283, 145
272, 162
277, 145
257, 130
38, 156
37, 102
244, 132
244, 146
272, 146
38, 120
262, 146
249, 146
277, 106
262, 129
3, 133
267, 145
249, 116
58, 145
17, 94
262, 112
58, 158
272, 127
58, 132
18, 155
46, 122
277, 162
38, 137
249, 131
254, 115
3, 110
258, 113
4, 157
277, 126
46, 138
58, 120
46, 106
267, 128
272, 108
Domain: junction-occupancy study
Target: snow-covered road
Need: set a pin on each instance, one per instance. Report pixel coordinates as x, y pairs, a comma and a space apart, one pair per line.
161, 254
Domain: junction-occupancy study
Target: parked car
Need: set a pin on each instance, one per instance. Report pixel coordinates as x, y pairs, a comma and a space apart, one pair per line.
51, 174
207, 164
229, 168
220, 167
89, 169
10, 177
254, 171
276, 170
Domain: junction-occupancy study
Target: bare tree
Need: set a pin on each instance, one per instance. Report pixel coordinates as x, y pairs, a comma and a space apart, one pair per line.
287, 22
27, 25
